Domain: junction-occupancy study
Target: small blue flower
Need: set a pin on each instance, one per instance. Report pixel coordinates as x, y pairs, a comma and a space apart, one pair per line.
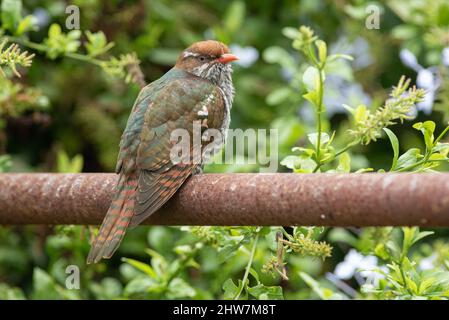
409, 59
247, 55
42, 17
427, 79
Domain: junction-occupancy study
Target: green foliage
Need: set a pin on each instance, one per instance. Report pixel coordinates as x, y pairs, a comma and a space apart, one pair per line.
12, 56
58, 43
5, 163
66, 165
403, 279
412, 160
68, 109
368, 126
159, 279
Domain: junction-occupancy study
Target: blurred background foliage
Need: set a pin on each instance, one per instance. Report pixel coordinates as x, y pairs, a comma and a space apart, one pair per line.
66, 112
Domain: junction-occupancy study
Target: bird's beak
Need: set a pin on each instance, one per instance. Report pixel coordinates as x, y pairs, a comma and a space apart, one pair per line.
227, 57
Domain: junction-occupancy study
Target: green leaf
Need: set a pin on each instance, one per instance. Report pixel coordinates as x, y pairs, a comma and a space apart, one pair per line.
54, 31
411, 236
422, 235
339, 56
179, 288
263, 292
11, 14
311, 78
278, 96
312, 97
280, 56
291, 162
427, 128
307, 151
426, 284
291, 33
322, 51
408, 158
29, 23
230, 289
395, 144
344, 163
45, 287
59, 43
360, 114
65, 165
254, 274
147, 269
140, 285
404, 31
393, 249
97, 43
313, 138
300, 164
227, 251
108, 288
381, 251
442, 148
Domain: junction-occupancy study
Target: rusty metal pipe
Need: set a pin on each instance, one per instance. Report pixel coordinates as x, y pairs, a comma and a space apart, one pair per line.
239, 199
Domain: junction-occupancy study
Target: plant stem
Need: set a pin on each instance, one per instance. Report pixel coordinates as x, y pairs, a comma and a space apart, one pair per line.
42, 48
248, 266
338, 153
419, 163
286, 234
412, 166
441, 135
349, 146
319, 111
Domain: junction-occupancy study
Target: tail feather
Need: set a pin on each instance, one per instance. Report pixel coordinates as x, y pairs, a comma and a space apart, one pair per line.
116, 221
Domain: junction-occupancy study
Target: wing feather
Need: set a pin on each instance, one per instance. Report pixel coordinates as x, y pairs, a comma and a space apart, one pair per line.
177, 106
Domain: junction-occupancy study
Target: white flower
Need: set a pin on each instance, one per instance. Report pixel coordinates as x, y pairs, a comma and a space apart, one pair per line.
373, 275
427, 103
354, 262
409, 59
428, 263
427, 79
247, 55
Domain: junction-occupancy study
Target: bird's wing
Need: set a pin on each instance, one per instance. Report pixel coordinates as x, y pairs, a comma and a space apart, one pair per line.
177, 106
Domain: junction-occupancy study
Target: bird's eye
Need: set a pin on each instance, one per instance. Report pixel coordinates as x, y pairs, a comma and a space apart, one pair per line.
202, 58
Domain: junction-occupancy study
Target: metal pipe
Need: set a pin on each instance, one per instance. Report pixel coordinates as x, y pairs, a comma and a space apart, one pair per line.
239, 199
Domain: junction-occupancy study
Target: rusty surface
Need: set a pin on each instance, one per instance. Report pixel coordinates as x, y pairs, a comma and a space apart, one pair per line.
239, 199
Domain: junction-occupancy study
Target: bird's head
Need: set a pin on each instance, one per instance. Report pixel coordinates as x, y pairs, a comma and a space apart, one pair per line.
207, 59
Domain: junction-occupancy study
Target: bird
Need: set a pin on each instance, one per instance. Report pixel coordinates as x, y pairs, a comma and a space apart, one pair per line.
198, 89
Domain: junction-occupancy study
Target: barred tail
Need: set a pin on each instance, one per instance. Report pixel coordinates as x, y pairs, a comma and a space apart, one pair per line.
116, 221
